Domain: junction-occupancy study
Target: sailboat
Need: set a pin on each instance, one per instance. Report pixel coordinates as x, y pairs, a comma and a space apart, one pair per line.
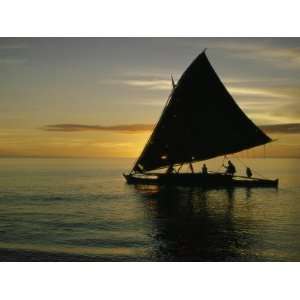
200, 121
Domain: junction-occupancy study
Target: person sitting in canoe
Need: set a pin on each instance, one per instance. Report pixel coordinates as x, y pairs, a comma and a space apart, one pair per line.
248, 172
230, 169
204, 169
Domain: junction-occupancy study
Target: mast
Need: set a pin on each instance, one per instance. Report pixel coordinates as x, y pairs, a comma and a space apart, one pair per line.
137, 166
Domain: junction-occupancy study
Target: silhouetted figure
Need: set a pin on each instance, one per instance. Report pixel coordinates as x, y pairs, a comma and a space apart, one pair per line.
204, 169
248, 172
230, 169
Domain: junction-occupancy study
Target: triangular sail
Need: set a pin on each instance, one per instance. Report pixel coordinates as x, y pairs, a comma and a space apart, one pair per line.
200, 121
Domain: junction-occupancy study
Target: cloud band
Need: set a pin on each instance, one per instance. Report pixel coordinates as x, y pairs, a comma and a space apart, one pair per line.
129, 128
135, 128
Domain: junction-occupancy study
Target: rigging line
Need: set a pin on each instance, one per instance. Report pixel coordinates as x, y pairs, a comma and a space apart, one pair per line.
222, 165
179, 168
254, 171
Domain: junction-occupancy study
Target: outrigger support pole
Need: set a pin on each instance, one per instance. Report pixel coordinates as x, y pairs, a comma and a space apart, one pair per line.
191, 167
170, 169
179, 168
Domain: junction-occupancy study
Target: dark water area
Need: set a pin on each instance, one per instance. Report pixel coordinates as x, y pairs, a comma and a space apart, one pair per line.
82, 210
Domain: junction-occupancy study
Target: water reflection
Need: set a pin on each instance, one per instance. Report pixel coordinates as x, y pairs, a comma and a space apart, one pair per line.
248, 193
191, 224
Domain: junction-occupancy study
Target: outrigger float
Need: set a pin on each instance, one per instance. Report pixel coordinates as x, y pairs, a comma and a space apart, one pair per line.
200, 121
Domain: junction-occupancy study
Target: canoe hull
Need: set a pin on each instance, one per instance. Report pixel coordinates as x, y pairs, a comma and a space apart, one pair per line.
188, 179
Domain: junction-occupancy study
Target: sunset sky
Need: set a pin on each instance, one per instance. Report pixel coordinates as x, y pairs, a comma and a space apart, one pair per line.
99, 97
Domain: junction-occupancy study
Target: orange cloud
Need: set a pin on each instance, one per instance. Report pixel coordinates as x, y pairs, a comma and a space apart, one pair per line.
282, 128
129, 128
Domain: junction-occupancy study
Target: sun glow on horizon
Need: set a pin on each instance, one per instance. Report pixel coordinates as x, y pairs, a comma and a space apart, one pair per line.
50, 100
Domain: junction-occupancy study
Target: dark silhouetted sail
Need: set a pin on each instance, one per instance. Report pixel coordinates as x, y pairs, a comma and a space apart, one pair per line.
200, 121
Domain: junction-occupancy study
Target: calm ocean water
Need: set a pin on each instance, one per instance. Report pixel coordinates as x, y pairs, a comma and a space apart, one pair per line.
82, 210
